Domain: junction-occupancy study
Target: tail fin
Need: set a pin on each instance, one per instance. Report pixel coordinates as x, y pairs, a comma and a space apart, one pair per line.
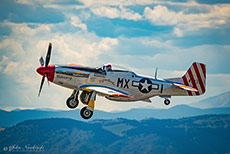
195, 77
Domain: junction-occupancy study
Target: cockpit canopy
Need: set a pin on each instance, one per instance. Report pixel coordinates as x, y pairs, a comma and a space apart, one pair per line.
109, 67
114, 68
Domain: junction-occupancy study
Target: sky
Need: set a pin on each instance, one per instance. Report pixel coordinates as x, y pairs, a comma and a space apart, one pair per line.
137, 34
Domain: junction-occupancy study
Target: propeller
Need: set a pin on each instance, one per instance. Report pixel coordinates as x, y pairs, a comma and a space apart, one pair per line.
156, 73
40, 89
48, 55
41, 60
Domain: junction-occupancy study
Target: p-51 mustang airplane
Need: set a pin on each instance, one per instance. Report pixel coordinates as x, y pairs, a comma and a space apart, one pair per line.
118, 85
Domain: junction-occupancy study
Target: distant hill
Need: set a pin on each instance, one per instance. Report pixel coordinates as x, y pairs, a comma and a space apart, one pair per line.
201, 134
221, 100
179, 111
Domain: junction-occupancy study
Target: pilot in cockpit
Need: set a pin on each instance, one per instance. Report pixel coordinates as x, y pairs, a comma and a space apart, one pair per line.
107, 67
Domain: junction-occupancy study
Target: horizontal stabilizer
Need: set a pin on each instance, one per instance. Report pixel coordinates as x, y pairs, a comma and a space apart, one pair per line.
188, 88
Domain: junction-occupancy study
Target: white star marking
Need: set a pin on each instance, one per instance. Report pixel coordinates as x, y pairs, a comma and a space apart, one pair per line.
145, 85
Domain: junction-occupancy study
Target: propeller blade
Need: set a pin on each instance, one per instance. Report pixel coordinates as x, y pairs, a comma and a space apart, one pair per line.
41, 60
43, 78
47, 78
156, 74
48, 54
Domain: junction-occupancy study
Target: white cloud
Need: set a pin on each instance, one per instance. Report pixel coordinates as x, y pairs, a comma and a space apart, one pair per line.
80, 48
157, 43
11, 68
11, 45
24, 29
160, 15
76, 21
178, 32
27, 2
218, 15
107, 43
91, 3
111, 12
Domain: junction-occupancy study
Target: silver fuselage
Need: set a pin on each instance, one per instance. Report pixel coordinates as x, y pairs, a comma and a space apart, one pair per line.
139, 87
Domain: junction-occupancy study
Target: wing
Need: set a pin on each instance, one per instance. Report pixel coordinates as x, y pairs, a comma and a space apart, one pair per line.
105, 90
188, 88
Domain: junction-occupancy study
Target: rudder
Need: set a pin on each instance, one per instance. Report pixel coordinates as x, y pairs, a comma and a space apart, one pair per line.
196, 77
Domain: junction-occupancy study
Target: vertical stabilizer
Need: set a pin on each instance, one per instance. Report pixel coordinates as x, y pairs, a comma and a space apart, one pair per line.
196, 77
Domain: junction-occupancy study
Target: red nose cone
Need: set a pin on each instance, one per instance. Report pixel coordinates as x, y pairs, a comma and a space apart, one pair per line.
42, 70
49, 70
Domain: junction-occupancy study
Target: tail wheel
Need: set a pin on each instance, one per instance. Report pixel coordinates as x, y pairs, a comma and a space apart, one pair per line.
166, 101
71, 102
86, 113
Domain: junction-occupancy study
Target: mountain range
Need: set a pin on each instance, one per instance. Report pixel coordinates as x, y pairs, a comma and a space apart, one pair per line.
200, 134
9, 118
221, 100
179, 129
219, 104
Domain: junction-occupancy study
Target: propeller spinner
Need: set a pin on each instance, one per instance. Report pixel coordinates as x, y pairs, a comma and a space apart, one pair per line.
46, 71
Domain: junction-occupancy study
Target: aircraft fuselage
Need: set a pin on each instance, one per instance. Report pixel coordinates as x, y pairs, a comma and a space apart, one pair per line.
139, 87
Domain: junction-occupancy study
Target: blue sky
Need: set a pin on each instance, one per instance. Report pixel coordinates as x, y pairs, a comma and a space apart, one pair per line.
140, 35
